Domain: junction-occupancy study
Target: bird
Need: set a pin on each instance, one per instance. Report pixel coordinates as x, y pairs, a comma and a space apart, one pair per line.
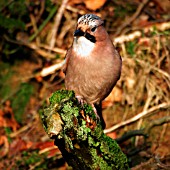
92, 63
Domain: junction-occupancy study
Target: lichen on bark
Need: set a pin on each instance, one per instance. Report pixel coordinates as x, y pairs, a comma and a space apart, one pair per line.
79, 135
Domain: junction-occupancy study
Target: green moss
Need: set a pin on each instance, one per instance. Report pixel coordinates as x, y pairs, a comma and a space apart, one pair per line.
88, 109
21, 99
112, 152
8, 132
19, 94
98, 162
5, 83
11, 23
83, 136
131, 47
121, 11
68, 143
18, 8
31, 159
61, 96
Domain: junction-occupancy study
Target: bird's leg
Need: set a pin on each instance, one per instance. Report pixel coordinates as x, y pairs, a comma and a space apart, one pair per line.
81, 100
95, 111
98, 111
96, 108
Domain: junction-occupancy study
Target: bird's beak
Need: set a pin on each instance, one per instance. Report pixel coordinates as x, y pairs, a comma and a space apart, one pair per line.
78, 33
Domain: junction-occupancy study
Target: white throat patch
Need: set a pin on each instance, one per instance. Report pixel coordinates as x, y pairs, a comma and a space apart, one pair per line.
82, 46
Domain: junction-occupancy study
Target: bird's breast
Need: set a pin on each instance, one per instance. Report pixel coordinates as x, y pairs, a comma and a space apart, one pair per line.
83, 47
90, 77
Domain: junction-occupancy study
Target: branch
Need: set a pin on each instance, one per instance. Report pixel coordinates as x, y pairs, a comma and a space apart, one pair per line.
51, 69
137, 34
52, 12
157, 122
79, 134
138, 116
57, 21
131, 134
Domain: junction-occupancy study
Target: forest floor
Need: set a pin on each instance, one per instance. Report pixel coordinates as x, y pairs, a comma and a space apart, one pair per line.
34, 38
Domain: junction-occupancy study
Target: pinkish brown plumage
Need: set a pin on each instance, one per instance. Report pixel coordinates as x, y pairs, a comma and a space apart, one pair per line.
93, 66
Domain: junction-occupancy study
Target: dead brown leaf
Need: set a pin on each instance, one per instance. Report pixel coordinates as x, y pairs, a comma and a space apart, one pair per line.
165, 4
5, 143
115, 96
19, 145
44, 145
112, 135
90, 4
47, 147
93, 5
7, 118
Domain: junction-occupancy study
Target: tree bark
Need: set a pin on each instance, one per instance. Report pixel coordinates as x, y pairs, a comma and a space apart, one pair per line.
79, 135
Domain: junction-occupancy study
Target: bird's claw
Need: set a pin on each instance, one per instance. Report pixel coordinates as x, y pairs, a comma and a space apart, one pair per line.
95, 111
81, 100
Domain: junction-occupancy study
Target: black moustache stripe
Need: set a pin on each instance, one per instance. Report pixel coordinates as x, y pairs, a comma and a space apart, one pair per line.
85, 34
90, 37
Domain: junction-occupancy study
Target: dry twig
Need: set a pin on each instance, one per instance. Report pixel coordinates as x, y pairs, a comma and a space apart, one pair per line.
157, 122
164, 74
57, 21
132, 18
138, 116
36, 48
146, 106
22, 129
137, 34
33, 21
75, 10
52, 69
160, 164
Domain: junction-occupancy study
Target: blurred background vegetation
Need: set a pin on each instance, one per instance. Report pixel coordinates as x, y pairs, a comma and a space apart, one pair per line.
34, 37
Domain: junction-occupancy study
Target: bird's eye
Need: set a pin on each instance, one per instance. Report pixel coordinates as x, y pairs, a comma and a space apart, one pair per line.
93, 29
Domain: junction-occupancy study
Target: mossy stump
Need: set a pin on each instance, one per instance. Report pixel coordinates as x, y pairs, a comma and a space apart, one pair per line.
79, 135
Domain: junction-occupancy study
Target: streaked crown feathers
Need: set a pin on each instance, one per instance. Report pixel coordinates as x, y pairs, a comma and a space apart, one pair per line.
90, 19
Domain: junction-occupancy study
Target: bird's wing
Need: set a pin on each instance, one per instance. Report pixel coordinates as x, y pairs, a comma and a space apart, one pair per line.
67, 57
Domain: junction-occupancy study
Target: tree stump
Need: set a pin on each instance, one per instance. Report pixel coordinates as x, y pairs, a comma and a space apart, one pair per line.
79, 135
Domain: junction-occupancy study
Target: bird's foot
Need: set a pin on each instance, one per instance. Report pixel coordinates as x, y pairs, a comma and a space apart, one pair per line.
95, 111
98, 114
81, 100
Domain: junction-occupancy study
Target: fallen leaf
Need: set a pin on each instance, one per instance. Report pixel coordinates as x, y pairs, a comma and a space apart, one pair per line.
19, 145
5, 143
53, 152
39, 78
47, 147
44, 145
115, 96
165, 4
112, 135
7, 118
90, 4
94, 4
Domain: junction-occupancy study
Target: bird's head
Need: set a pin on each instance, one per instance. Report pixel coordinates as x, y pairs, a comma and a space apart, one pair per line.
88, 32
91, 27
